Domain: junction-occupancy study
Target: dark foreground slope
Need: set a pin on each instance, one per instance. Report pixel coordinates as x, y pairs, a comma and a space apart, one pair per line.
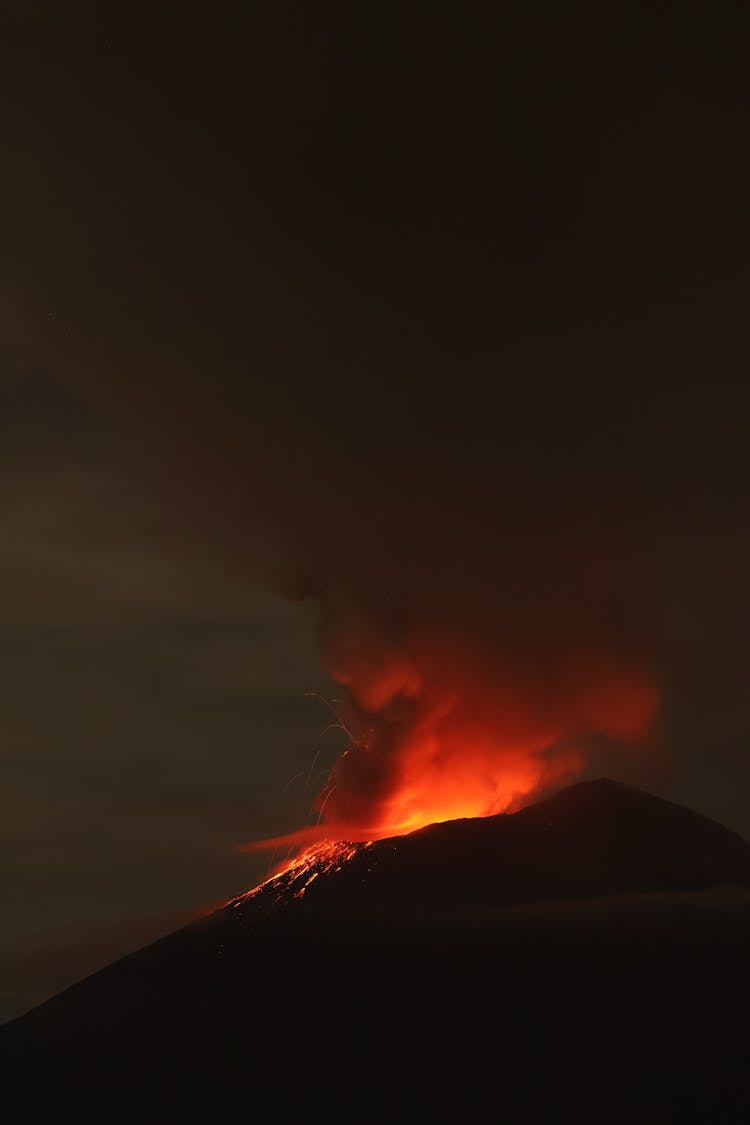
588, 956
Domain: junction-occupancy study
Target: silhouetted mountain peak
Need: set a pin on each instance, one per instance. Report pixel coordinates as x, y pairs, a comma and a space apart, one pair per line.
370, 978
592, 839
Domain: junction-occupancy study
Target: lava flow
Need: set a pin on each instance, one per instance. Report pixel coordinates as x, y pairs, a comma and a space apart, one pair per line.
293, 878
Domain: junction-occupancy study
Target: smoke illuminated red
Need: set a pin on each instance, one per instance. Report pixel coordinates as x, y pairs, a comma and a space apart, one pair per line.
437, 734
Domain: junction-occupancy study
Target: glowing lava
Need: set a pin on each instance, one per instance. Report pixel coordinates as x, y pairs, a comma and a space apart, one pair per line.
294, 876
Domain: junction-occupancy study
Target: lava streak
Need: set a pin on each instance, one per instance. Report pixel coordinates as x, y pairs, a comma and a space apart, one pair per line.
292, 879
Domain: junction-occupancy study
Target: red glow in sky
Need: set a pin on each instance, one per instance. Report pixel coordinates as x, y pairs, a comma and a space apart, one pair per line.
437, 736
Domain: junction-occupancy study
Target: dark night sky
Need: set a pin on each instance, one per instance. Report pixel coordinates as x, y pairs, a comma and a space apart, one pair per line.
434, 314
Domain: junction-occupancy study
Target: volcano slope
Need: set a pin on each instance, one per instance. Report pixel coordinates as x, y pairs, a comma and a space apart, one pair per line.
586, 956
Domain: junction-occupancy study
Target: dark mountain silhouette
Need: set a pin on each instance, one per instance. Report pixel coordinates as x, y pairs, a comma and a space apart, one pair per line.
585, 956
595, 838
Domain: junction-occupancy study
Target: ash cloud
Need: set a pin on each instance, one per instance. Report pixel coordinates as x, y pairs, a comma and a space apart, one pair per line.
435, 321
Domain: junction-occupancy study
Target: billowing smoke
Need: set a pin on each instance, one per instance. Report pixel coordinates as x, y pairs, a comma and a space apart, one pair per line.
446, 724
410, 314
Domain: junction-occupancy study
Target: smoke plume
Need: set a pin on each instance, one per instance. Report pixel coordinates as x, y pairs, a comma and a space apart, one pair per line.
418, 318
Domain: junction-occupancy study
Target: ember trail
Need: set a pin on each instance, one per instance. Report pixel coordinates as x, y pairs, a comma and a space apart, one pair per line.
297, 874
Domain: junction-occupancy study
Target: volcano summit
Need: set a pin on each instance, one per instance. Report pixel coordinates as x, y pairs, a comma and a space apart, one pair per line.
586, 955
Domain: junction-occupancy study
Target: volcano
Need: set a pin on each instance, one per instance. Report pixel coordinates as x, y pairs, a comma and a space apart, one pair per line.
587, 955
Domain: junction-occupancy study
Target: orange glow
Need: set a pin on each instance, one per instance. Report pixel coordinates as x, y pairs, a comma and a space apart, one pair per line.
438, 736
